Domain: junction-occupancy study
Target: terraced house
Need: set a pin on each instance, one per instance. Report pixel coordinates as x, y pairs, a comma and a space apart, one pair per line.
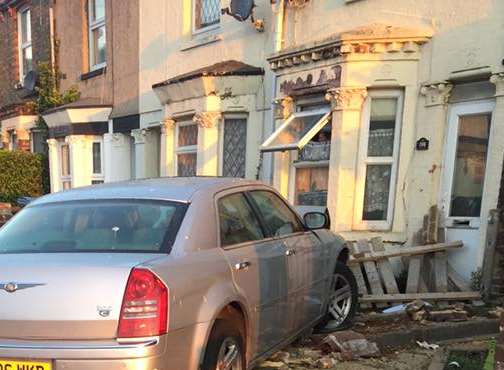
377, 110
25, 40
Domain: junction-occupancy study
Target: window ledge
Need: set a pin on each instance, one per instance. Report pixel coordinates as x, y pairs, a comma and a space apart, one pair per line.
201, 40
94, 73
387, 236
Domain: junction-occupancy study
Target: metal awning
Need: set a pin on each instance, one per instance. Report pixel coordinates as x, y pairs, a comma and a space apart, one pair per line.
297, 131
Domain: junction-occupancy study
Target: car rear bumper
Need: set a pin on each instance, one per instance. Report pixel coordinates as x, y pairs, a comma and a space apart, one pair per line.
177, 350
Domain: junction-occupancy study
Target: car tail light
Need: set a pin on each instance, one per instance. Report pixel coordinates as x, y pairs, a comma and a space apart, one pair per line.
144, 311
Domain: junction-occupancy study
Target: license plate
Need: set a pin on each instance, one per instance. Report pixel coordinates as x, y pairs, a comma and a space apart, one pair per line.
24, 365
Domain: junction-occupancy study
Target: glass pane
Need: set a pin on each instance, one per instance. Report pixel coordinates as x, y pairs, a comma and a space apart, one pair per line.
188, 135
99, 45
65, 161
470, 164
311, 186
27, 60
186, 164
207, 13
276, 215
297, 128
97, 158
235, 147
97, 9
382, 127
25, 27
93, 226
376, 193
238, 224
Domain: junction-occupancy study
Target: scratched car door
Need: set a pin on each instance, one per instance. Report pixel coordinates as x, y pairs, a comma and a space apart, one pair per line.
258, 267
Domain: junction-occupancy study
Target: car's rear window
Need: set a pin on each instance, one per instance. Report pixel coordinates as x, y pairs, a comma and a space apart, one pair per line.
94, 226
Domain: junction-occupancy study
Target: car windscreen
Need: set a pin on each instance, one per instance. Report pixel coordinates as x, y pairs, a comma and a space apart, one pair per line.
94, 226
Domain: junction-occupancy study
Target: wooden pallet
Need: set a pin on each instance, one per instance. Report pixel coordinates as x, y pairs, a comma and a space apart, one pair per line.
430, 275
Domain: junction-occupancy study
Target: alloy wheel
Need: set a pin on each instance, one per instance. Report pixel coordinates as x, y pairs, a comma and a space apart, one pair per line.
229, 357
341, 300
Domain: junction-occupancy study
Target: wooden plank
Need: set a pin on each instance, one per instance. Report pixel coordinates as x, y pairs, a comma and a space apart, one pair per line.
413, 282
489, 255
432, 225
385, 268
410, 251
457, 280
450, 296
440, 268
359, 278
372, 274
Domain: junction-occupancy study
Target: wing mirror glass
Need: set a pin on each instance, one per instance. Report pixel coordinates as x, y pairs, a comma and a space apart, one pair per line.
315, 220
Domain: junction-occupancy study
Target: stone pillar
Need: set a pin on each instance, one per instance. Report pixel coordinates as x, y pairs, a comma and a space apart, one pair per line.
54, 165
346, 104
81, 159
167, 148
282, 160
432, 124
117, 157
208, 143
140, 157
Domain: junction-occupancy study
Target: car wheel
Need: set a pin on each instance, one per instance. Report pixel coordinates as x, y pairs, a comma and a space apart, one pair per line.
225, 348
343, 301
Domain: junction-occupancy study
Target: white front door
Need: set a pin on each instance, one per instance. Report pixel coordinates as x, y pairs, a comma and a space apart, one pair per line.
464, 179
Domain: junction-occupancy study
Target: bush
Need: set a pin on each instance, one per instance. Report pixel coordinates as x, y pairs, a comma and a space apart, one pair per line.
21, 174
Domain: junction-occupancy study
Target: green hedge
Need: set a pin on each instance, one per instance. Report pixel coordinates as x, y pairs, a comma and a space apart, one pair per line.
21, 174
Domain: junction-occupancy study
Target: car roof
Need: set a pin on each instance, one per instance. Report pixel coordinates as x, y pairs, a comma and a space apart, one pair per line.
180, 189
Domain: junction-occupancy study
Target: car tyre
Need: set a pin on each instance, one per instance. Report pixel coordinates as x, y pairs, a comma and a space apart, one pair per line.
225, 350
343, 302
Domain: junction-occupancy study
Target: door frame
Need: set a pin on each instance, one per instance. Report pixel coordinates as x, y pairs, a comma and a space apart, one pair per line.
449, 155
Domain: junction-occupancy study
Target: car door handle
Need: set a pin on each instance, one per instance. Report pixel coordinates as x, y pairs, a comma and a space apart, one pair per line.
290, 252
242, 265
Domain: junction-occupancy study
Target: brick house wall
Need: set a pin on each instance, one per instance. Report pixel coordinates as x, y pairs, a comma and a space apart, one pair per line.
13, 101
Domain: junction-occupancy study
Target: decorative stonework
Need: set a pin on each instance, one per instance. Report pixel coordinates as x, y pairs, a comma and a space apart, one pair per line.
346, 98
52, 143
167, 124
329, 78
498, 80
437, 93
372, 39
139, 135
207, 119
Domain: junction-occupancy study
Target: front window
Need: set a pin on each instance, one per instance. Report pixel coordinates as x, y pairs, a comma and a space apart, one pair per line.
13, 141
378, 159
97, 34
206, 14
25, 42
297, 131
97, 155
187, 148
93, 226
234, 156
65, 175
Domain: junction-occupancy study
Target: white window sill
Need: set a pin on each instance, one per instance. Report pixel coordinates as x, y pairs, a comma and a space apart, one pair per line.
387, 236
202, 38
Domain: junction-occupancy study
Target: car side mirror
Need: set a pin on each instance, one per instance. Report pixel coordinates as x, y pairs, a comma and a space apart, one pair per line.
315, 220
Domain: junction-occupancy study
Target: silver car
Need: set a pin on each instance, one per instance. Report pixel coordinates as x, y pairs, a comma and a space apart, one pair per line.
173, 274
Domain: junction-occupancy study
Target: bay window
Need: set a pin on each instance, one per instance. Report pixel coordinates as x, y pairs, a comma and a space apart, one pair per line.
97, 155
378, 160
186, 149
234, 147
65, 174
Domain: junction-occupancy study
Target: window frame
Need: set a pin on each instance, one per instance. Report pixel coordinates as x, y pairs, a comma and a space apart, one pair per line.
98, 177
187, 149
92, 26
231, 116
196, 30
267, 147
65, 178
364, 160
22, 46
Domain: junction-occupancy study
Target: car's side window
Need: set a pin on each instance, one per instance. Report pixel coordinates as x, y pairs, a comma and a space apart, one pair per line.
238, 223
275, 213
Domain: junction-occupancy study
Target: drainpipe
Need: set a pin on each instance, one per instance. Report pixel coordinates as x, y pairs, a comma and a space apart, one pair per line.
279, 33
